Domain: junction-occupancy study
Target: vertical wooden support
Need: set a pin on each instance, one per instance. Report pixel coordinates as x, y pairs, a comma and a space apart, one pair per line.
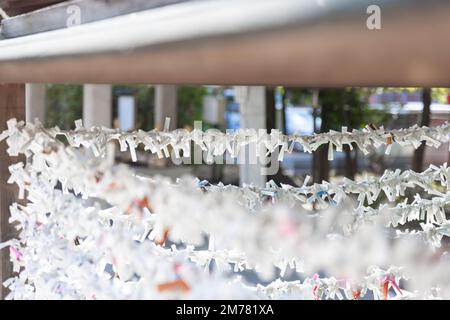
12, 105
35, 99
165, 106
97, 105
252, 107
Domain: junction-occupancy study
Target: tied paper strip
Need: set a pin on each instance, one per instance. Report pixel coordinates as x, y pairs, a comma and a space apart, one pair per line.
40, 178
216, 143
331, 288
69, 226
393, 184
76, 228
165, 198
71, 173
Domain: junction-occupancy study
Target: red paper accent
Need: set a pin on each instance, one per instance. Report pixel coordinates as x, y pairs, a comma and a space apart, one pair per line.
178, 284
385, 289
356, 294
164, 238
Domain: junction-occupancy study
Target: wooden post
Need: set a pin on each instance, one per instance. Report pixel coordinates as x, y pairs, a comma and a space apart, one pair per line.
165, 106
35, 100
12, 105
97, 105
252, 108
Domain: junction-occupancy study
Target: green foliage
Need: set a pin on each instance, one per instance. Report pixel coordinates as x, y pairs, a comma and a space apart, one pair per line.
190, 100
146, 107
349, 107
299, 96
340, 106
440, 94
64, 105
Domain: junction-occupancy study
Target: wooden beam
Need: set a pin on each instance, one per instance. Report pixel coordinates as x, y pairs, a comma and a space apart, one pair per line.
56, 16
245, 42
16, 7
12, 105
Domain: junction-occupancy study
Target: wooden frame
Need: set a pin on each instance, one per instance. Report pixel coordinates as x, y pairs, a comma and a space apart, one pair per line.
12, 105
248, 42
222, 42
15, 7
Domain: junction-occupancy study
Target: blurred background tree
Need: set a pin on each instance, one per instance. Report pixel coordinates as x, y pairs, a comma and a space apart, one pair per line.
64, 105
337, 107
429, 95
190, 100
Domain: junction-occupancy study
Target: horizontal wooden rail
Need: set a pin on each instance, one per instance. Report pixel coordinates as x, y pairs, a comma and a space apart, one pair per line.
272, 42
